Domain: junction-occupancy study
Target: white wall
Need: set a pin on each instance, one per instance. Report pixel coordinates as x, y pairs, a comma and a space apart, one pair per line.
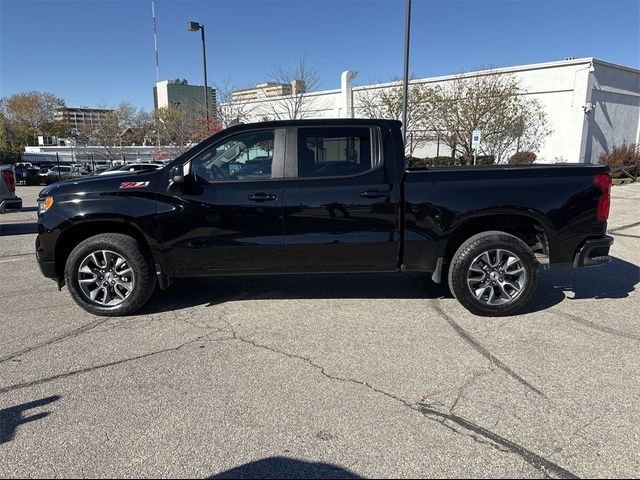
615, 118
563, 88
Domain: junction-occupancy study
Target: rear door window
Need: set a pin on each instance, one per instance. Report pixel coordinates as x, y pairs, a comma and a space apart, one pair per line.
331, 152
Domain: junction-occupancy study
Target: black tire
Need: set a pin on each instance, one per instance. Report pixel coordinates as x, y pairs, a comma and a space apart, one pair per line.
469, 253
143, 283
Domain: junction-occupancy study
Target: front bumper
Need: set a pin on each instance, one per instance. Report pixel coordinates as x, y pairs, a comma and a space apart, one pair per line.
594, 252
11, 205
46, 262
48, 269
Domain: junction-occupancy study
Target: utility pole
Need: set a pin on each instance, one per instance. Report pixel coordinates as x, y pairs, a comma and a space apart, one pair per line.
155, 45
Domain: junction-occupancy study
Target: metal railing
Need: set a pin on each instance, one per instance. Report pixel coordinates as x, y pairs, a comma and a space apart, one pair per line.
626, 171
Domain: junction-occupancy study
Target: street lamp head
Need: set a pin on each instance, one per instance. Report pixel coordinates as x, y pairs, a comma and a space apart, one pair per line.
193, 26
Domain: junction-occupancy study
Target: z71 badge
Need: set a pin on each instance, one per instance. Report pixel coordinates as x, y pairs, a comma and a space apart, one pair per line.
134, 184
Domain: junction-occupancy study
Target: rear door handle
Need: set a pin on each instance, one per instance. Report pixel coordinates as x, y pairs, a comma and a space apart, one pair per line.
262, 197
374, 194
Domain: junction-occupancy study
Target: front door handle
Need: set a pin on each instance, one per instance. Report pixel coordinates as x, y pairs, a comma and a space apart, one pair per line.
374, 194
262, 197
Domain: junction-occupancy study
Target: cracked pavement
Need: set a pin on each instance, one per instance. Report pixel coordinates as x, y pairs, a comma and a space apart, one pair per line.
323, 376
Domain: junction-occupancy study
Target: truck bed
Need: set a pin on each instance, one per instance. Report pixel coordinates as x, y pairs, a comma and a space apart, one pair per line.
557, 201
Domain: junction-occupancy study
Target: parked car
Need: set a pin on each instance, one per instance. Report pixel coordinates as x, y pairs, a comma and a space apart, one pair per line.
131, 167
80, 168
321, 196
63, 171
9, 201
43, 172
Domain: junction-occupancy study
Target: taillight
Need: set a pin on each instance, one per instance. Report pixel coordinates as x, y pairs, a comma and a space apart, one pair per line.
603, 181
10, 180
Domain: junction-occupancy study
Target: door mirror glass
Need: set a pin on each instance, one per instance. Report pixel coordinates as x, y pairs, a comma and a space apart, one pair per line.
177, 175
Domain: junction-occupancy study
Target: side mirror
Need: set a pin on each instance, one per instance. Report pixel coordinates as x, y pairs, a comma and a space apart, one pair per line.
177, 175
176, 179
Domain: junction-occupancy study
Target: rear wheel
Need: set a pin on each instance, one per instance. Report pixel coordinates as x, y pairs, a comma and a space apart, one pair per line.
108, 274
493, 274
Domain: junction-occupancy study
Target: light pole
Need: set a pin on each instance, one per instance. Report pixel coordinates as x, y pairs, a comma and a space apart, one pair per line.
405, 83
194, 27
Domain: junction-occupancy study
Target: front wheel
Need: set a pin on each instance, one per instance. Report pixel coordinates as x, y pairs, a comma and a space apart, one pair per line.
493, 274
108, 274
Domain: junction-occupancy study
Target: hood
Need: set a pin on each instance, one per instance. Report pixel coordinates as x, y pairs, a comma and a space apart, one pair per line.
102, 183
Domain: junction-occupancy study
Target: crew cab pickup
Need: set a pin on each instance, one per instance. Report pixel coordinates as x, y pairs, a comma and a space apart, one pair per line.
320, 196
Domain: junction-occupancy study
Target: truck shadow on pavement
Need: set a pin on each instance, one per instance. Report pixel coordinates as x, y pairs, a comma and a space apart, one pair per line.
210, 291
615, 280
12, 417
283, 467
7, 229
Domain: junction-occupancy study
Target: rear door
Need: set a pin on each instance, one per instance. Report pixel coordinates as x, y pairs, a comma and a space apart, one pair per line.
340, 203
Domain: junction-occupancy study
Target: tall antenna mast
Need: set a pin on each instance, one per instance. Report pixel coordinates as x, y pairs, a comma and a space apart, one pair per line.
155, 39
155, 45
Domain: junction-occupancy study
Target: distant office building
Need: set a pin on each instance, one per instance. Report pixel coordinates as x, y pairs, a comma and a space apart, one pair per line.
180, 93
77, 119
268, 90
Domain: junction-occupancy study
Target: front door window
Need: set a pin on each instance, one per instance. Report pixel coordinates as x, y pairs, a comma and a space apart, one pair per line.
247, 156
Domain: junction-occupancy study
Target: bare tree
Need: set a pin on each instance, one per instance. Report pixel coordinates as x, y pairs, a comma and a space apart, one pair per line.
387, 102
107, 129
229, 111
142, 128
299, 104
181, 127
491, 103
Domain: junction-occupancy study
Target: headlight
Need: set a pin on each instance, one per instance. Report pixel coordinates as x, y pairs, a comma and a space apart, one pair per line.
45, 204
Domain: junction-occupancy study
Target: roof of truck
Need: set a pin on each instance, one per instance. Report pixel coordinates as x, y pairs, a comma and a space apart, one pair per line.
315, 122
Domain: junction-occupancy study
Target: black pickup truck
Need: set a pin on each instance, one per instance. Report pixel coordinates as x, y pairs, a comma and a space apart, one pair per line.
320, 196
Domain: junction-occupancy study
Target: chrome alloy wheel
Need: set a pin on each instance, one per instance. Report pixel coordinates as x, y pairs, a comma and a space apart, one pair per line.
496, 277
106, 278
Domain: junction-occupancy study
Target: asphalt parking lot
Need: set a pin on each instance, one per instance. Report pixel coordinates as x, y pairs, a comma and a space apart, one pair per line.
322, 376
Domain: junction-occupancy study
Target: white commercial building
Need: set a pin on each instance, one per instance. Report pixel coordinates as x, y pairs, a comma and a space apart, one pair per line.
591, 105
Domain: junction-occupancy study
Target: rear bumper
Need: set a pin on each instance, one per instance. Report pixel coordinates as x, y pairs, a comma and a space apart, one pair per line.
11, 205
594, 252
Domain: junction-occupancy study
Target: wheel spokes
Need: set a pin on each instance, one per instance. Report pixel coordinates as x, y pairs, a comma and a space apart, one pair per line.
503, 293
105, 278
118, 292
496, 276
513, 285
481, 291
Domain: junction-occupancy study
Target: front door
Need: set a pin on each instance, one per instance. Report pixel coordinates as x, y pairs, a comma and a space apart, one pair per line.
231, 209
